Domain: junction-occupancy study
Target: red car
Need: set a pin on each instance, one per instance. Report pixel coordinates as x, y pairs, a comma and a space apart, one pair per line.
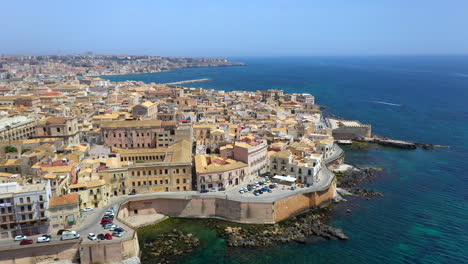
26, 242
105, 220
108, 236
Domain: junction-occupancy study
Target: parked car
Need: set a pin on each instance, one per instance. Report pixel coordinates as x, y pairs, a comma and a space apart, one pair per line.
120, 230
26, 242
108, 236
256, 194
101, 237
241, 191
70, 235
87, 209
132, 192
19, 238
222, 189
270, 190
109, 226
92, 236
213, 190
113, 227
117, 234
293, 188
204, 191
265, 189
106, 220
44, 238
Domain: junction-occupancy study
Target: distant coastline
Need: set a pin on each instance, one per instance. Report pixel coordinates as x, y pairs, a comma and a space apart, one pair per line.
232, 64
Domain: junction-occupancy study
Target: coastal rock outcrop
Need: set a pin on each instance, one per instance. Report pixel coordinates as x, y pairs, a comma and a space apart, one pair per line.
304, 230
167, 246
349, 180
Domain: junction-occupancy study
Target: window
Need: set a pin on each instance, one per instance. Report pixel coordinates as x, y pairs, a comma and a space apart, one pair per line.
177, 181
58, 129
41, 198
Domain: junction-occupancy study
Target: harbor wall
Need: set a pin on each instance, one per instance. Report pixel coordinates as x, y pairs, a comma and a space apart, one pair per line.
41, 253
299, 203
109, 252
251, 212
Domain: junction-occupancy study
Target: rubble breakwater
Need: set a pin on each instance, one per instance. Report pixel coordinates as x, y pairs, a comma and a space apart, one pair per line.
398, 143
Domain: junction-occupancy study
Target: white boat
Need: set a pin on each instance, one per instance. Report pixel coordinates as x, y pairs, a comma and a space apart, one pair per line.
344, 142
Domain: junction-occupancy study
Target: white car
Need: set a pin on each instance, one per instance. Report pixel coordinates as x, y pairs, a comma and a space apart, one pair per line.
44, 238
92, 236
113, 227
19, 238
87, 209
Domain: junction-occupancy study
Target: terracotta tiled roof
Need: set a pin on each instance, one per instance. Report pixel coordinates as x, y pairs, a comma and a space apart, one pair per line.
56, 120
67, 199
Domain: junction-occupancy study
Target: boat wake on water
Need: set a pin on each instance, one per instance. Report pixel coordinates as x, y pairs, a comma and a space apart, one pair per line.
380, 102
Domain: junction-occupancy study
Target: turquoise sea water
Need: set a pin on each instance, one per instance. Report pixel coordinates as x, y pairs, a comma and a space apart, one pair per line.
423, 217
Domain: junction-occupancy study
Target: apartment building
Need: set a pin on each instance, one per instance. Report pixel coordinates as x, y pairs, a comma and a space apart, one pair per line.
64, 211
250, 151
23, 209
144, 133
152, 170
147, 110
65, 128
17, 128
215, 172
92, 193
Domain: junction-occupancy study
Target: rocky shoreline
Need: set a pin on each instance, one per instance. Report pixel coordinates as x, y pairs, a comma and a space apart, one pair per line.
308, 228
167, 246
350, 179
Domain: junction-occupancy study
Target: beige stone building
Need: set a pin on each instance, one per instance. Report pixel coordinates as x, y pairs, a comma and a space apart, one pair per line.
92, 193
17, 128
152, 170
59, 127
64, 211
215, 172
146, 110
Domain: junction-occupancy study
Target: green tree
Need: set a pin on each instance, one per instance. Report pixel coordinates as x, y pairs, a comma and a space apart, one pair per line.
10, 149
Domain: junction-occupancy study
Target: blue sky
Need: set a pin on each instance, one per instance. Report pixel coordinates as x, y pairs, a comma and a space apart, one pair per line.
235, 28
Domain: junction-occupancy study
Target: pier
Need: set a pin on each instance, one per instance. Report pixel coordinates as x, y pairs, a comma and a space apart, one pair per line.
188, 81
398, 143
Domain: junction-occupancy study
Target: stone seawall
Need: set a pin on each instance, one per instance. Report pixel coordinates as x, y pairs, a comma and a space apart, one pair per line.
75, 251
299, 203
251, 212
41, 253
109, 252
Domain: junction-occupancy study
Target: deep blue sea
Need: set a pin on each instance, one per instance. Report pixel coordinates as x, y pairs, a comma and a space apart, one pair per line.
423, 215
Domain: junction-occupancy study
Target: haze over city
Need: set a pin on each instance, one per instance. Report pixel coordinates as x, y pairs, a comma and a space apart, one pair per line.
235, 28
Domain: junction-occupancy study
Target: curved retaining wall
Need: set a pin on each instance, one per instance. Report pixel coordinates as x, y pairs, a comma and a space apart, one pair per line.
250, 212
